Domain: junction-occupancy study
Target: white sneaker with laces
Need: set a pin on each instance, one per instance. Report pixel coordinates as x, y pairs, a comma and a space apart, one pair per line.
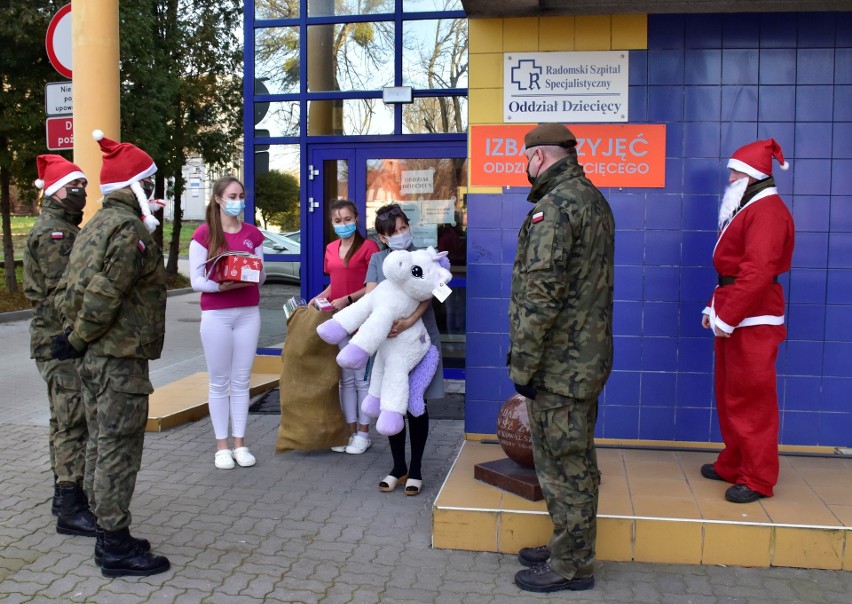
243, 457
358, 445
224, 459
342, 448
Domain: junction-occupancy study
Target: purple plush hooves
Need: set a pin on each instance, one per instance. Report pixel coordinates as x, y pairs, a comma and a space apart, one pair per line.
371, 406
390, 423
331, 331
419, 380
352, 356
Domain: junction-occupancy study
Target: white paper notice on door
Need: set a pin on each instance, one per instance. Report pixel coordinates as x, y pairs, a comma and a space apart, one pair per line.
438, 211
416, 182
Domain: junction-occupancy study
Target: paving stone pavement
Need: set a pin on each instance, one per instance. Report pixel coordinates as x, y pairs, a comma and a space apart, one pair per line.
297, 527
310, 527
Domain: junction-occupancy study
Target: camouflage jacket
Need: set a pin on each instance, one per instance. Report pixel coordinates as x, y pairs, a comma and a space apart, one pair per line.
114, 293
560, 311
45, 259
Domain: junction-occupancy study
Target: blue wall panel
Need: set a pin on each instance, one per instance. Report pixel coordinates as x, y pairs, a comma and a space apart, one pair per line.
717, 82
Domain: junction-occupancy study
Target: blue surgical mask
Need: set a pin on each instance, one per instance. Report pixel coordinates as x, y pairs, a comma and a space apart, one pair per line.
233, 207
400, 241
345, 231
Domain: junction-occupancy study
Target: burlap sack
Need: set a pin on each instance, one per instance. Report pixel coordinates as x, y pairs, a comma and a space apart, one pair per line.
310, 399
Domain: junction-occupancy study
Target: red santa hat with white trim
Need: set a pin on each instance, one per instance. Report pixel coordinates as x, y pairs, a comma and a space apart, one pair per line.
755, 159
54, 172
124, 165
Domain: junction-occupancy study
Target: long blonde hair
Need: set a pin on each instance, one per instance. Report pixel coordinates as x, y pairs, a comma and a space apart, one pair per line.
216, 243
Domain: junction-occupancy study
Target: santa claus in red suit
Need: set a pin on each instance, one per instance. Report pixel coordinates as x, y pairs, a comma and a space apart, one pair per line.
746, 314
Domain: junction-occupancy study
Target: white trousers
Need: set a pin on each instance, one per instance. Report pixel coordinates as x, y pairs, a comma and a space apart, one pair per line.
229, 337
353, 391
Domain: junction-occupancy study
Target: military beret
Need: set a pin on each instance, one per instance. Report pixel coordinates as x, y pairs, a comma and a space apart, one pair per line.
550, 134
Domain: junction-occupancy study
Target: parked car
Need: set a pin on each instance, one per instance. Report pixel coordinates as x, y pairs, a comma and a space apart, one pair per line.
294, 235
287, 270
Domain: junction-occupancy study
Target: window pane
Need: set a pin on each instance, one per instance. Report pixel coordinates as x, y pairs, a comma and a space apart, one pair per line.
350, 56
276, 186
331, 8
277, 209
422, 6
434, 53
276, 59
349, 116
429, 115
276, 118
276, 9
432, 194
335, 185
429, 190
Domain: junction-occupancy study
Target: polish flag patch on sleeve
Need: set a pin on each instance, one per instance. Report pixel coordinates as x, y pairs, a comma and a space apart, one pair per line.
57, 235
141, 245
537, 217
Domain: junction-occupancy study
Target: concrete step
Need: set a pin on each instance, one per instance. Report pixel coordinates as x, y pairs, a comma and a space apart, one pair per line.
186, 399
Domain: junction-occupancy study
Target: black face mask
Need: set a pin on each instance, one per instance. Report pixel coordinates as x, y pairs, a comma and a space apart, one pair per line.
530, 177
147, 188
75, 200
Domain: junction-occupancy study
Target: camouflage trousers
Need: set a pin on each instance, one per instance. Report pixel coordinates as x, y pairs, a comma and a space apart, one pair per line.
67, 432
115, 393
566, 464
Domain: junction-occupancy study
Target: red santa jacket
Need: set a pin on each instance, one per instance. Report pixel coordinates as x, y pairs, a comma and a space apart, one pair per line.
754, 248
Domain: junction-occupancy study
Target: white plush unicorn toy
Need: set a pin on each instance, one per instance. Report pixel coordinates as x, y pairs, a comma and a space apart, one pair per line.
410, 278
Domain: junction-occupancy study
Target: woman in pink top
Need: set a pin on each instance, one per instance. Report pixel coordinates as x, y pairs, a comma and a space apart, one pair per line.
230, 318
346, 261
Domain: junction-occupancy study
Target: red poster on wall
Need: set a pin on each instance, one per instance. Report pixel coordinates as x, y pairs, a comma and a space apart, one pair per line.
630, 155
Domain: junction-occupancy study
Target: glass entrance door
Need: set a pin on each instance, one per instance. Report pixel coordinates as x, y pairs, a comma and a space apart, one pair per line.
428, 180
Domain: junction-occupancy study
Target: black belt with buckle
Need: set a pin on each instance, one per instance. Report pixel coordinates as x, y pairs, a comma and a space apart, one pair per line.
729, 280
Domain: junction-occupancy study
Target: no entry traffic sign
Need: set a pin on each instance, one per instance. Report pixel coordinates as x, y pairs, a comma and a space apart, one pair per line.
58, 41
60, 133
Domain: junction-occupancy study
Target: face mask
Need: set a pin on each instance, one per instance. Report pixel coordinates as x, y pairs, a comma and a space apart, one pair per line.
345, 231
147, 188
400, 241
530, 177
75, 199
233, 207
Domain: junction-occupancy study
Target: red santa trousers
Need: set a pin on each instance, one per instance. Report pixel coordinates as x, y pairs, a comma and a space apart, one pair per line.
747, 402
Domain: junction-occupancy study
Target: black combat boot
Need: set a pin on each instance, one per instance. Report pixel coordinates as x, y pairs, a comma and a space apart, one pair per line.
57, 499
123, 557
142, 544
75, 517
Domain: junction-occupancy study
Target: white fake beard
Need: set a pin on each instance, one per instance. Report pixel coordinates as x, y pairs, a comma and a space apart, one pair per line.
151, 223
731, 200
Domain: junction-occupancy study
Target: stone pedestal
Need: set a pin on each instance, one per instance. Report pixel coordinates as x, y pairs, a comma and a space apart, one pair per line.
517, 473
510, 476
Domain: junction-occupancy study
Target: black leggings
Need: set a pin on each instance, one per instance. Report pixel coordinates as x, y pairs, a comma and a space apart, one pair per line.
419, 428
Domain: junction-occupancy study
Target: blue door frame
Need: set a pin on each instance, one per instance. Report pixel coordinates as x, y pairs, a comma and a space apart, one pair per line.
314, 207
315, 199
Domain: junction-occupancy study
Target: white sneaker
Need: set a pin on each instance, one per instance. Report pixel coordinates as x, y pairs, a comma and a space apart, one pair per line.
244, 457
224, 459
357, 445
342, 448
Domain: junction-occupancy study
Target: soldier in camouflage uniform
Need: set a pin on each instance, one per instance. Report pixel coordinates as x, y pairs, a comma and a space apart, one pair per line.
561, 350
113, 307
49, 244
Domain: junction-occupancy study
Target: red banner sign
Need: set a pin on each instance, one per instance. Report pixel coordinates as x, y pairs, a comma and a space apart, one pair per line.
631, 155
